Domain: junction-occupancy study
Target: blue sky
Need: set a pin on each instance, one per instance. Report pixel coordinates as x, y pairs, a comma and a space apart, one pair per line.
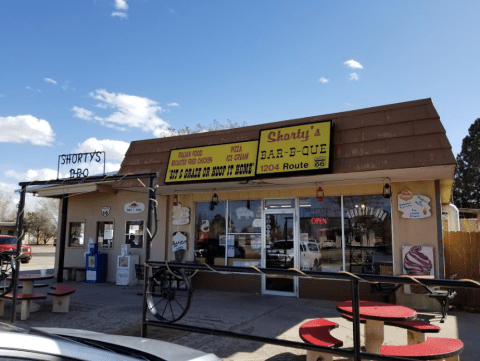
88, 75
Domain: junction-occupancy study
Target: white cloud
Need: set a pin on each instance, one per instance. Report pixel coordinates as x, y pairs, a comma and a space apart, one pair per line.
82, 113
50, 81
323, 80
114, 149
130, 111
353, 76
33, 174
119, 14
121, 7
28, 87
172, 104
353, 64
97, 168
66, 86
26, 128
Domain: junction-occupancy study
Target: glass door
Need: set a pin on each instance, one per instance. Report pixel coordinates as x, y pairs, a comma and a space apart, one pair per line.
279, 250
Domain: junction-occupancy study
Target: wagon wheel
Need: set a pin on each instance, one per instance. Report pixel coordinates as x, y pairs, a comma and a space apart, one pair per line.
358, 256
7, 274
169, 294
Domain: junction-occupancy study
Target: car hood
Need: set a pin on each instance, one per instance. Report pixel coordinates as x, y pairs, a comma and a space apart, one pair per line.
6, 247
166, 350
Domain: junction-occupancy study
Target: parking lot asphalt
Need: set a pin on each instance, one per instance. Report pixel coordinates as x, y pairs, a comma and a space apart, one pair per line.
106, 307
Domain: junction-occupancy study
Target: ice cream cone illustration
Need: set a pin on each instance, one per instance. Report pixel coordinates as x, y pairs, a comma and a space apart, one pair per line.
416, 262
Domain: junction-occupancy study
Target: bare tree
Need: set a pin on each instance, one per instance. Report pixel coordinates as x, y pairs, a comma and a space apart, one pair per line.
40, 224
51, 207
202, 128
7, 208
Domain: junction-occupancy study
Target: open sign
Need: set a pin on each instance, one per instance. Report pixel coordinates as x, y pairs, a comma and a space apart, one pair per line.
318, 220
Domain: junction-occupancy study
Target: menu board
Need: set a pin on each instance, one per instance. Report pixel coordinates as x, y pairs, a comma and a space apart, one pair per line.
216, 162
294, 149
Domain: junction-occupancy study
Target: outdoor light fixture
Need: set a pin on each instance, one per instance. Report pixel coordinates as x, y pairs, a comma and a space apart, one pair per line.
387, 191
175, 200
320, 194
214, 201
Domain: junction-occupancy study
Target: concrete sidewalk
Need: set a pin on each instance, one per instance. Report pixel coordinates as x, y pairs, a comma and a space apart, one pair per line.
108, 308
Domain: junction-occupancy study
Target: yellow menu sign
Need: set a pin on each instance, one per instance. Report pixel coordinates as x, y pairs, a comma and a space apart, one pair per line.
295, 149
215, 162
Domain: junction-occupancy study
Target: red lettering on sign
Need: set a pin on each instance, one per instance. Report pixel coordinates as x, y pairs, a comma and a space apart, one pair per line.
318, 220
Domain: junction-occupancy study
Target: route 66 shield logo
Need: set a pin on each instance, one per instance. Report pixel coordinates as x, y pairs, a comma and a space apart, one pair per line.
105, 211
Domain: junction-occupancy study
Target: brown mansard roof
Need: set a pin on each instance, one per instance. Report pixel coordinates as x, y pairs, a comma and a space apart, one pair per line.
398, 141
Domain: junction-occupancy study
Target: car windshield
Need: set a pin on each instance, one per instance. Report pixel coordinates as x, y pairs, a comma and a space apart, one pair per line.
8, 240
283, 245
313, 247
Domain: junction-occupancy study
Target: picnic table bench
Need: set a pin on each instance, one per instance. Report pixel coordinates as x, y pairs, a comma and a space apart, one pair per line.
317, 332
61, 300
25, 299
435, 348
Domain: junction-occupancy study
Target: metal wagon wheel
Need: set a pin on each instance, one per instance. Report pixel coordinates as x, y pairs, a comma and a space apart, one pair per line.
7, 274
358, 256
169, 294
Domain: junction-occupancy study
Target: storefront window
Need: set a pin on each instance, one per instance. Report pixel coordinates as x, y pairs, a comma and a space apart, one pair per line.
105, 234
367, 229
209, 226
134, 234
232, 239
321, 234
368, 234
230, 234
245, 233
76, 234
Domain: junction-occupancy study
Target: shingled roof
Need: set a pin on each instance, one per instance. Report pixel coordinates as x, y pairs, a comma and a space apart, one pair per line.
397, 141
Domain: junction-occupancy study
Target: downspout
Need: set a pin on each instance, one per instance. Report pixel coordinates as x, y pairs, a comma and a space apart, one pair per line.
438, 211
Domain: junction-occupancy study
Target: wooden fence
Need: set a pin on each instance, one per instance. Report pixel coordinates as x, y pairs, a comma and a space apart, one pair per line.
462, 258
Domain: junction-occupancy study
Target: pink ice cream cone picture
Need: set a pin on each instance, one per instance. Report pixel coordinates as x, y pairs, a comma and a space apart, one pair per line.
418, 260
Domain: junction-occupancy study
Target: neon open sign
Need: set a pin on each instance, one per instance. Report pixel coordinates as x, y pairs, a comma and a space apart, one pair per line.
318, 220
76, 163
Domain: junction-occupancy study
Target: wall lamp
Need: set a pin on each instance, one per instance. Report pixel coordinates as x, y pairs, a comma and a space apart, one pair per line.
387, 191
214, 201
320, 194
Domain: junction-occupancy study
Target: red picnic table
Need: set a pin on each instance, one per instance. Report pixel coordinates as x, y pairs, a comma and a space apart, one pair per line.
376, 314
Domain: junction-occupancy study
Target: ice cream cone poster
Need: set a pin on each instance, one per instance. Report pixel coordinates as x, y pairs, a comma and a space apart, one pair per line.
414, 206
418, 260
179, 241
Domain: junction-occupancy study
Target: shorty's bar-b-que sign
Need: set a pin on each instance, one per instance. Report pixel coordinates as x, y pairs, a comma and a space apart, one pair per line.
215, 162
297, 148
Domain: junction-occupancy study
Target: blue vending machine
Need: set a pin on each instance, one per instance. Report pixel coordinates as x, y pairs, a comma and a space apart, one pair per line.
96, 265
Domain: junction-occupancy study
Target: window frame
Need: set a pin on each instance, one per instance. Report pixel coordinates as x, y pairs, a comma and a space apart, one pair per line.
100, 245
142, 234
82, 222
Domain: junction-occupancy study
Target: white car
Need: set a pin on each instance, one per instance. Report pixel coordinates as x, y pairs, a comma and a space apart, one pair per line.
328, 244
64, 344
310, 255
